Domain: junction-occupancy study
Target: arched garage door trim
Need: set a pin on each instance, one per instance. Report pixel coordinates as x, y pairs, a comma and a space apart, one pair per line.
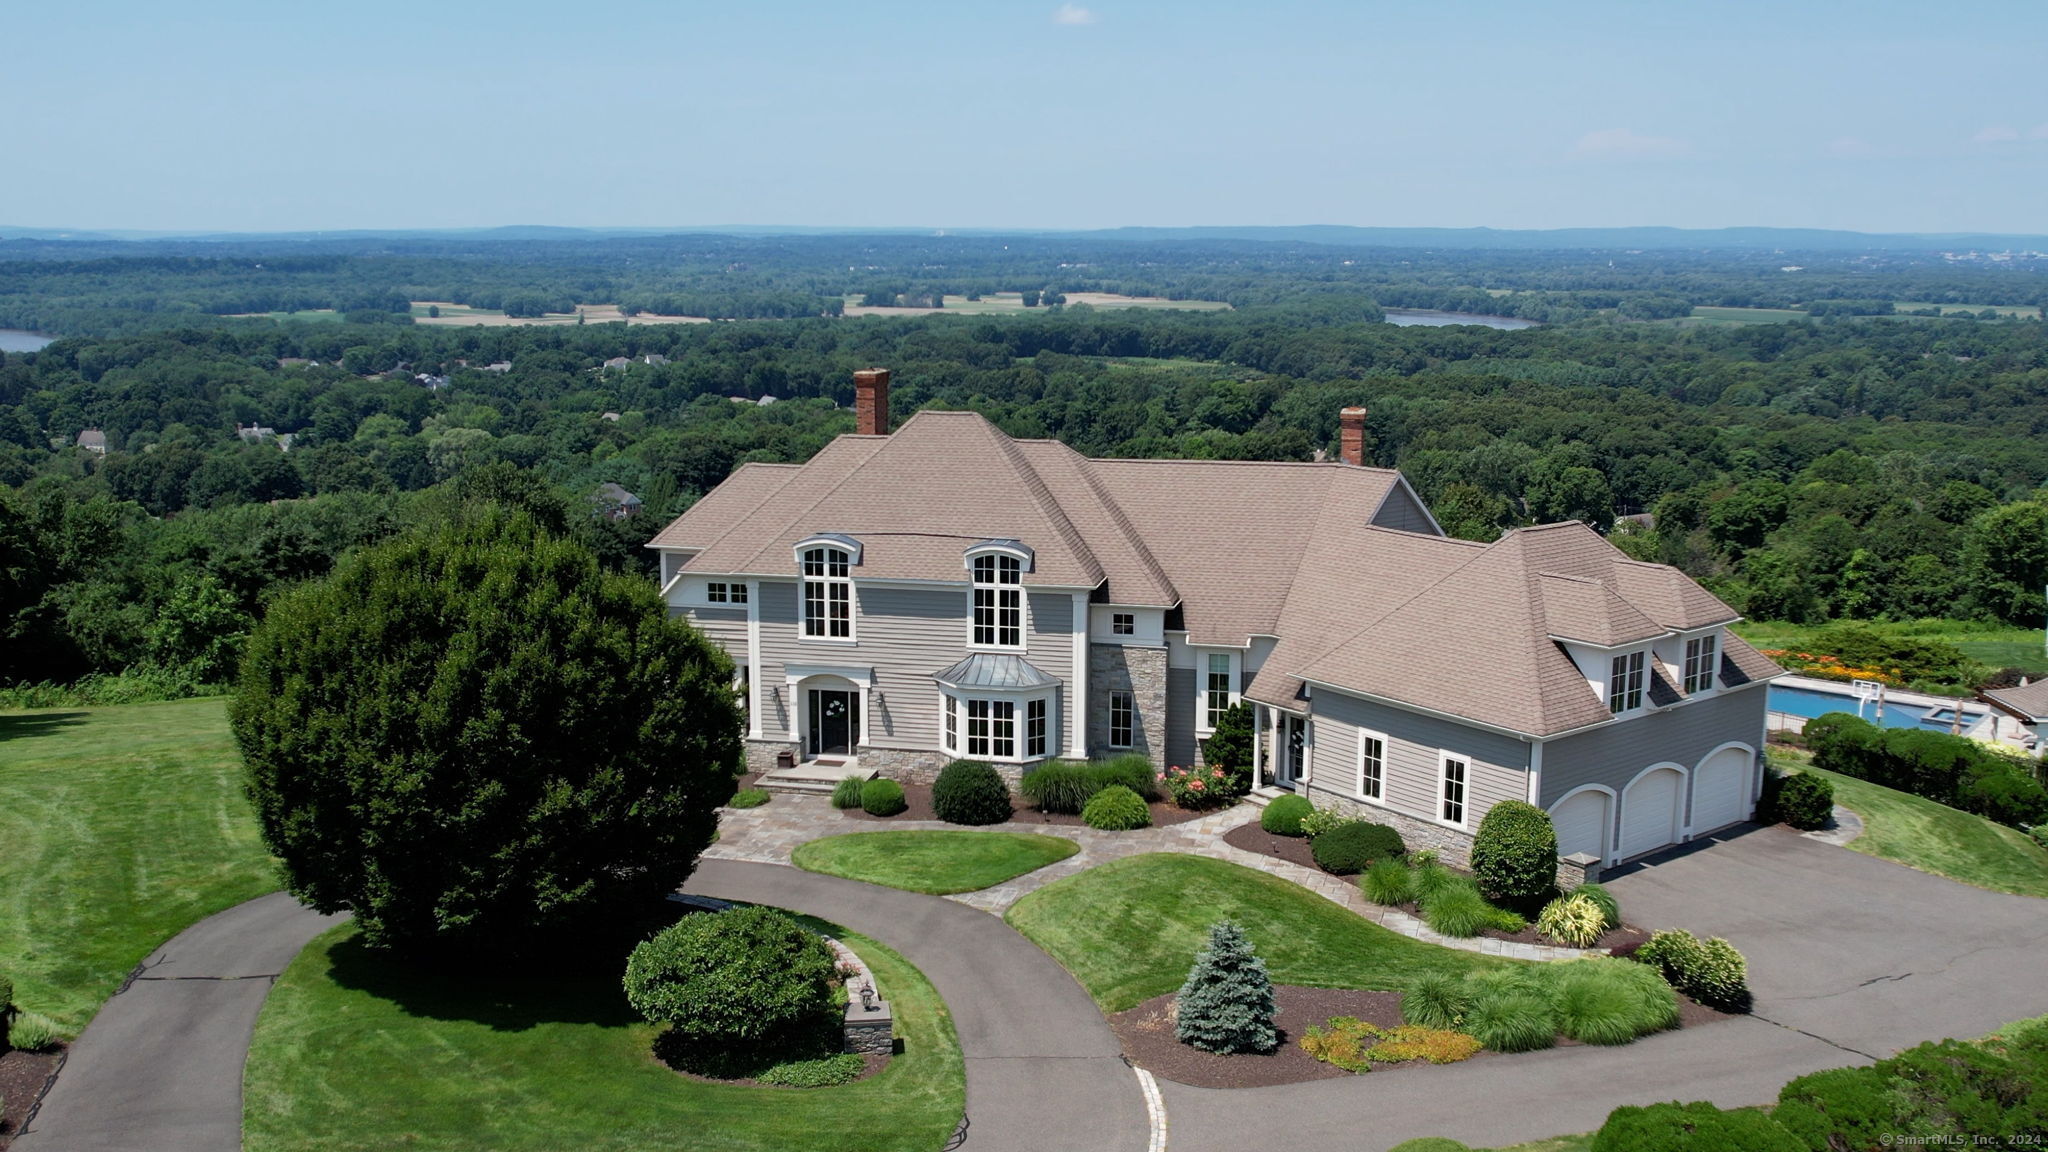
1606, 852
1749, 786
1677, 817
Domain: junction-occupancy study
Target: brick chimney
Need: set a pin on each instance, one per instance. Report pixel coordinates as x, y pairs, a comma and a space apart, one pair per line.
871, 401
1351, 436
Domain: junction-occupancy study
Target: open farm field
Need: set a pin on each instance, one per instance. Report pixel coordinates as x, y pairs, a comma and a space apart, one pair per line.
1013, 302
454, 314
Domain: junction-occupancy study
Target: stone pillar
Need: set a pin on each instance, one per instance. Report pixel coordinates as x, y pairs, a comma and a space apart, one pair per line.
1140, 671
1576, 869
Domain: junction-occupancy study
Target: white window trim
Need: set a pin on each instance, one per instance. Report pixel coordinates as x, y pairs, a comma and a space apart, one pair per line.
1713, 684
1358, 768
1111, 737
1202, 726
1643, 675
1021, 702
1023, 643
1443, 758
803, 583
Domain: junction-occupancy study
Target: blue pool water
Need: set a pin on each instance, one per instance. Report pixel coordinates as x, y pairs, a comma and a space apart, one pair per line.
1812, 702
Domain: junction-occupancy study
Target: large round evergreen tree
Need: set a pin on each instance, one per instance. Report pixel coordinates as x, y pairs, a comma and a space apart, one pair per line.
473, 736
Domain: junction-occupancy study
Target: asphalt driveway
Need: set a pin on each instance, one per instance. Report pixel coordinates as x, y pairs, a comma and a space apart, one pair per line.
1851, 957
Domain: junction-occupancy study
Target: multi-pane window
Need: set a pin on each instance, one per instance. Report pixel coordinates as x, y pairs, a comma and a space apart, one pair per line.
992, 728
1372, 767
1123, 624
998, 602
1216, 694
952, 725
828, 594
1700, 655
743, 684
1034, 728
1625, 683
1123, 714
1454, 790
719, 592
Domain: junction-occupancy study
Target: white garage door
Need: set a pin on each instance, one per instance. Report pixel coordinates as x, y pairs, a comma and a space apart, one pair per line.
1581, 824
1720, 790
1649, 812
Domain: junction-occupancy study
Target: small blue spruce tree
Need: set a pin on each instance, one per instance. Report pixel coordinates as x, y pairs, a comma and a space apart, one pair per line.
1227, 1003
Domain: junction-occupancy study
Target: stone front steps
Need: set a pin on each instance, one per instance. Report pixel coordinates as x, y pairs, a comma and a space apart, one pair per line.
813, 776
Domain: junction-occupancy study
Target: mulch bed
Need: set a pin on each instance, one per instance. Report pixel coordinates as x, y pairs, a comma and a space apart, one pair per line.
1295, 850
22, 1077
1146, 1033
919, 799
873, 1062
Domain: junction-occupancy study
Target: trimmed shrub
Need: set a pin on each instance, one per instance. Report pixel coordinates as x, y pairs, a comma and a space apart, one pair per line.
970, 792
1388, 882
748, 798
1116, 809
1610, 908
1606, 1001
1436, 1000
1575, 920
1352, 847
1510, 1020
839, 1068
1952, 770
1457, 910
1514, 855
1804, 800
1226, 1005
846, 793
1321, 820
1284, 815
6, 1007
744, 984
1710, 971
1229, 747
1696, 1127
1838, 1108
880, 797
32, 1032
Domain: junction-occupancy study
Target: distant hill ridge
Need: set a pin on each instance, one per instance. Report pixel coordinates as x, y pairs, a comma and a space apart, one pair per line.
1649, 237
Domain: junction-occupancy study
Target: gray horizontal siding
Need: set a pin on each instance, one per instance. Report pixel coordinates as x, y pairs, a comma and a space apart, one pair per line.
1683, 735
725, 627
1498, 764
1402, 511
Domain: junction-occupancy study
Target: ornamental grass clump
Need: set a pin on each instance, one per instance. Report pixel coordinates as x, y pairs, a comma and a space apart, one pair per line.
1436, 1000
1509, 1017
1226, 1005
1116, 809
1457, 910
1601, 1000
1575, 920
1610, 908
846, 793
1388, 883
1284, 815
972, 793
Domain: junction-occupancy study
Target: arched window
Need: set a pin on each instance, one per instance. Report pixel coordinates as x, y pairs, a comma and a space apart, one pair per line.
828, 594
998, 601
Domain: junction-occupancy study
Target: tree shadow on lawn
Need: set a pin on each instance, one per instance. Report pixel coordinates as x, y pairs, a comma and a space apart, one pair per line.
28, 725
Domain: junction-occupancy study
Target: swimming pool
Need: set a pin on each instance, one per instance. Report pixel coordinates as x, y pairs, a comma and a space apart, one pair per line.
1812, 702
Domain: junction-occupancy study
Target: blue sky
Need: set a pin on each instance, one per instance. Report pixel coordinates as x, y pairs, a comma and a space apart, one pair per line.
1871, 115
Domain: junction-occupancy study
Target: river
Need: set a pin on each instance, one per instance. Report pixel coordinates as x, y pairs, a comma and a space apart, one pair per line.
1430, 318
16, 340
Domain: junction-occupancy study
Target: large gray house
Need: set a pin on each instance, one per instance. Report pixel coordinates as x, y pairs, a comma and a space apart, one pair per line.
948, 591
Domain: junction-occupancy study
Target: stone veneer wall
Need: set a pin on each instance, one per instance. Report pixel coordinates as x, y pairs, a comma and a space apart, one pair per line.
1451, 846
1142, 672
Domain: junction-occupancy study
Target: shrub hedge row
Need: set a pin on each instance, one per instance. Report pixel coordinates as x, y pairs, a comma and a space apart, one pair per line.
1065, 786
1951, 770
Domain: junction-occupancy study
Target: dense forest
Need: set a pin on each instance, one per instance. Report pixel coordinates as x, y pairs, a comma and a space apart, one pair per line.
1844, 466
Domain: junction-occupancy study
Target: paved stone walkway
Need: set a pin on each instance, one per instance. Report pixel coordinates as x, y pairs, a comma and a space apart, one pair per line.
1845, 826
770, 833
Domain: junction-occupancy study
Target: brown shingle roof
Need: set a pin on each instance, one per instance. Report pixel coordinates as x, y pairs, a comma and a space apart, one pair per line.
2029, 700
1246, 549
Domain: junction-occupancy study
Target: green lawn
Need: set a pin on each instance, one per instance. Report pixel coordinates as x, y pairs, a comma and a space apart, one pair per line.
1994, 644
1920, 833
119, 827
355, 1051
1128, 930
935, 862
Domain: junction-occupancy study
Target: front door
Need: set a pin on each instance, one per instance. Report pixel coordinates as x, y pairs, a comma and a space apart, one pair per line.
1293, 744
835, 722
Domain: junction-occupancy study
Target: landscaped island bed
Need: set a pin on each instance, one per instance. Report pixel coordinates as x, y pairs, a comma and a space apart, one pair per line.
119, 828
937, 862
358, 1050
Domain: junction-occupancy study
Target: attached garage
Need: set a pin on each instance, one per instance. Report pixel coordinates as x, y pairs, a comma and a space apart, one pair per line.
1650, 811
1582, 822
1720, 789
